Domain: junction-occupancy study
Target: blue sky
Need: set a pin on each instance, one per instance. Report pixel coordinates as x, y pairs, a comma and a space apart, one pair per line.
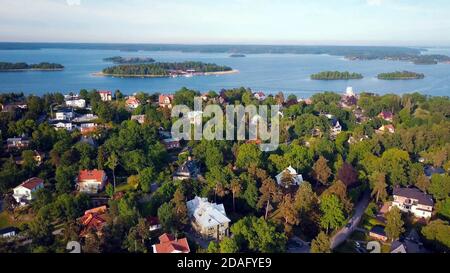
372, 22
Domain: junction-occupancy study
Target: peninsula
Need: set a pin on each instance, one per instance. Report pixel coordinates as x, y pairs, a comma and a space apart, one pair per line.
336, 75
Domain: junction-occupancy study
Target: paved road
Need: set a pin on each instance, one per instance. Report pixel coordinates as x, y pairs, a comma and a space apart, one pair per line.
344, 233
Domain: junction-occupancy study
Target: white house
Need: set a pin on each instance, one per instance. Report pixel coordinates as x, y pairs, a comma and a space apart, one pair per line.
63, 124
208, 219
105, 95
414, 201
9, 232
76, 103
91, 181
24, 192
64, 115
297, 179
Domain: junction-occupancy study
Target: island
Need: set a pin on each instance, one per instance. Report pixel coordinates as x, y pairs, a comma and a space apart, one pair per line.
18, 67
401, 75
423, 59
336, 75
129, 60
237, 56
159, 70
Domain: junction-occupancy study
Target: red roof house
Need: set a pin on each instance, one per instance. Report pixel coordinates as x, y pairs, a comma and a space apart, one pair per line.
91, 181
165, 101
93, 219
169, 244
132, 102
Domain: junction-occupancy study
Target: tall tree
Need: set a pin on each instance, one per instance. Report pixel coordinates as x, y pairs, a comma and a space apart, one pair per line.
423, 183
321, 171
270, 194
321, 244
112, 163
289, 213
305, 197
236, 189
332, 209
181, 211
394, 224
379, 185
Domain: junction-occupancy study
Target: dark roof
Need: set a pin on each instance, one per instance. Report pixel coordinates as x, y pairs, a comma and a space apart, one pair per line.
430, 170
190, 167
8, 230
378, 230
414, 193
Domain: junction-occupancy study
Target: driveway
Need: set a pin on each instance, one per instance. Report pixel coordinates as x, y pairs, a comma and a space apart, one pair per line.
344, 233
297, 245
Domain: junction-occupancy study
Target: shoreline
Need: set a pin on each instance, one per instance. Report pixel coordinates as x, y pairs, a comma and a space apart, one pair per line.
218, 73
34, 69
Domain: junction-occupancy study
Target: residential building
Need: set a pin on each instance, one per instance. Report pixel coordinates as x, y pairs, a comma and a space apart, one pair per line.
208, 219
165, 101
188, 170
93, 220
169, 244
378, 233
171, 143
387, 116
105, 95
85, 118
63, 125
9, 232
76, 103
23, 194
132, 102
349, 99
259, 96
91, 181
414, 201
410, 244
139, 118
17, 143
64, 114
336, 127
291, 173
153, 223
386, 129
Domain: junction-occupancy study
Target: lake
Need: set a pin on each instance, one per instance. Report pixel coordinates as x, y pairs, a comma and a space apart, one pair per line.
270, 73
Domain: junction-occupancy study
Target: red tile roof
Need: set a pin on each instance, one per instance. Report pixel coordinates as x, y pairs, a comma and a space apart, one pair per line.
32, 183
132, 100
96, 175
168, 244
93, 219
163, 97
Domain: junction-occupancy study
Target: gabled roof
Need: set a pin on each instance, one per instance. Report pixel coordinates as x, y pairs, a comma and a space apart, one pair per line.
32, 183
169, 244
95, 219
416, 194
96, 175
207, 214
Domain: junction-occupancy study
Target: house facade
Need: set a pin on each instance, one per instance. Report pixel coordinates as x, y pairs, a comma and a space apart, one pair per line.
105, 95
76, 103
208, 219
132, 102
91, 181
188, 170
23, 194
17, 143
165, 101
414, 201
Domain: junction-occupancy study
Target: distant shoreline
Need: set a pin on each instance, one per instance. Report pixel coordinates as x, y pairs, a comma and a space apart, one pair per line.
34, 69
101, 74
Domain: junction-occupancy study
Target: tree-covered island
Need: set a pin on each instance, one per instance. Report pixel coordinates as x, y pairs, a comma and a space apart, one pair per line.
11, 67
336, 75
129, 60
401, 75
166, 69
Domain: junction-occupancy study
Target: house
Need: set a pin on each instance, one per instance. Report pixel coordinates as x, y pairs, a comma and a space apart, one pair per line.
132, 102
386, 129
63, 125
414, 201
169, 244
23, 194
387, 116
378, 233
336, 127
297, 179
85, 118
8, 108
410, 244
9, 232
91, 181
17, 143
259, 96
171, 143
37, 156
139, 118
76, 103
105, 95
349, 99
208, 219
431, 170
64, 114
93, 220
188, 170
165, 101
153, 223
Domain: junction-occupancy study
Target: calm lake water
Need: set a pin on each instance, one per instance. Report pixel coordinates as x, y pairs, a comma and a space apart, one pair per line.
267, 72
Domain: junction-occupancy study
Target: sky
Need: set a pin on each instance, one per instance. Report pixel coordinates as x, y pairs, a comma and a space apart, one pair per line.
340, 22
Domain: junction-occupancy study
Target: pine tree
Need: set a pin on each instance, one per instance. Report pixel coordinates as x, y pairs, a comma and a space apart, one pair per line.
269, 194
321, 244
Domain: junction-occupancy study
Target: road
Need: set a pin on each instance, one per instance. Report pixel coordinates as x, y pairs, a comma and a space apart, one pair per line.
297, 245
344, 233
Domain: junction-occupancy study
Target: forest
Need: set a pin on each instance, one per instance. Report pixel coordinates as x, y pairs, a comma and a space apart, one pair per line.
401, 75
4, 66
336, 75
